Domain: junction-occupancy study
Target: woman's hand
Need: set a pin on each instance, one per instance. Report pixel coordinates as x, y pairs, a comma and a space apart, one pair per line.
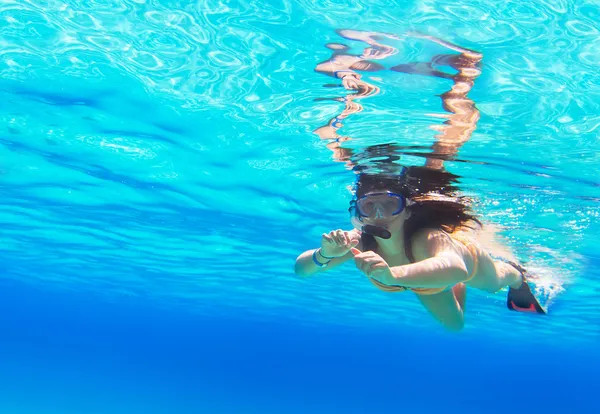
337, 243
374, 266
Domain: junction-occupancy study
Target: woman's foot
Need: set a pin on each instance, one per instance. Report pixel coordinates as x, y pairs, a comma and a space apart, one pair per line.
520, 297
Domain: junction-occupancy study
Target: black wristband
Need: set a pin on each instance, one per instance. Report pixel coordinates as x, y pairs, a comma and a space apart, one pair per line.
325, 257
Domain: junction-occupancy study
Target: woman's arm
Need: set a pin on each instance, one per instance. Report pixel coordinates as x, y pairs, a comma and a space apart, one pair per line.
336, 243
439, 263
305, 265
446, 269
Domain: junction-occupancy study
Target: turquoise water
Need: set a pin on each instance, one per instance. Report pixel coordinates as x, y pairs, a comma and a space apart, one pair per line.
159, 170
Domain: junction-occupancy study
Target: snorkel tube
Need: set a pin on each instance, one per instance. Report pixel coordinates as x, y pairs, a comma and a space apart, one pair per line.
376, 231
368, 228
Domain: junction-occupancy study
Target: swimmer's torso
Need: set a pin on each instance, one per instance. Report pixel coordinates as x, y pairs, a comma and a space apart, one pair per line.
480, 266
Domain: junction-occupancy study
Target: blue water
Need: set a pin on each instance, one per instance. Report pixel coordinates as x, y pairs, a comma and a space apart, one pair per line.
159, 174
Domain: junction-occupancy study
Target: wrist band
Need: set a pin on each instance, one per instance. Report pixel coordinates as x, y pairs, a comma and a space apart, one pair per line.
314, 257
323, 256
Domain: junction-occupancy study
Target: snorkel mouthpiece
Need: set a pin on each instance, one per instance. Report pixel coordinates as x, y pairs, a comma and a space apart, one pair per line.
376, 231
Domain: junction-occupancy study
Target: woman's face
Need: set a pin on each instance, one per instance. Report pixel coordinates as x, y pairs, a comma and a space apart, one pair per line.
392, 224
382, 209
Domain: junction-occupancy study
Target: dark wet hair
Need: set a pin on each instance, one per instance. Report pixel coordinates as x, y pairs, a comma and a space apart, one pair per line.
435, 201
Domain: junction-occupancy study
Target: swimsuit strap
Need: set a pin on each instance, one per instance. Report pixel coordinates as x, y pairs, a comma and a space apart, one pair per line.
387, 288
428, 291
396, 288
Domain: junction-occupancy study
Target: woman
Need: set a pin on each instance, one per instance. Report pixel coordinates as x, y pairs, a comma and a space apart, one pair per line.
419, 242
412, 233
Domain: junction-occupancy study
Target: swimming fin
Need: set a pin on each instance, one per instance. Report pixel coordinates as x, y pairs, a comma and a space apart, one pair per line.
522, 299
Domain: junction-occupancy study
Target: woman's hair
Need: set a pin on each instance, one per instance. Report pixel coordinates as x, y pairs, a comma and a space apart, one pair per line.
435, 201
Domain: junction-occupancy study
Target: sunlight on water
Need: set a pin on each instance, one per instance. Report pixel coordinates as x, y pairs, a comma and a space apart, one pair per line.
167, 149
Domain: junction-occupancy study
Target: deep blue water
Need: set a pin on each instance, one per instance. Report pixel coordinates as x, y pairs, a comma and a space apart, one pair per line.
159, 174
71, 354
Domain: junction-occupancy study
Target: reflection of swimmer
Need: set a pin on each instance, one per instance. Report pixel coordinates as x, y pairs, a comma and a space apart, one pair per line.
344, 66
462, 115
411, 235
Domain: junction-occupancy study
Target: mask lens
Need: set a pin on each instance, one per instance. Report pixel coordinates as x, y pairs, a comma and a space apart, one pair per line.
380, 205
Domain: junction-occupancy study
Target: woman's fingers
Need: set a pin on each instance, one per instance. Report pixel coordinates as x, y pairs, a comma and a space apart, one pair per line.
328, 238
339, 237
368, 262
339, 242
333, 236
347, 239
362, 262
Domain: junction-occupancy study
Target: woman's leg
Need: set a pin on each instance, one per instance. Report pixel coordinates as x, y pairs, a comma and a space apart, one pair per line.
446, 308
506, 275
520, 296
460, 291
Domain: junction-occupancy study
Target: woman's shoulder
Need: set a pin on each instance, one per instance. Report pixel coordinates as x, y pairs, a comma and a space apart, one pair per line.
427, 242
428, 234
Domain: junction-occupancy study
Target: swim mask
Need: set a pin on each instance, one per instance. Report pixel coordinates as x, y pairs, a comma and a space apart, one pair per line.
379, 206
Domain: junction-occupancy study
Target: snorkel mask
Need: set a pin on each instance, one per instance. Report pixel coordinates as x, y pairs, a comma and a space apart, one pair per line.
375, 206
